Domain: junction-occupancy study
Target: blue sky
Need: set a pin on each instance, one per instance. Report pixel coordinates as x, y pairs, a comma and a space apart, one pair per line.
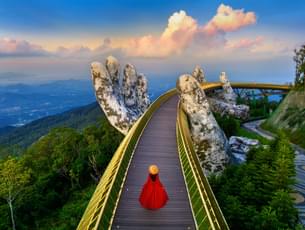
114, 17
52, 40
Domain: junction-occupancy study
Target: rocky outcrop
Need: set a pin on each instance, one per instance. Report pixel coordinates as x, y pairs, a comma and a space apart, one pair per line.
209, 140
240, 146
223, 108
142, 96
228, 94
122, 105
224, 102
198, 74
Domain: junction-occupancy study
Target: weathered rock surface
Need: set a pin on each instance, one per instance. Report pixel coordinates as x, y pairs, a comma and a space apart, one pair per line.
210, 142
142, 96
228, 94
198, 74
240, 146
224, 102
223, 108
122, 105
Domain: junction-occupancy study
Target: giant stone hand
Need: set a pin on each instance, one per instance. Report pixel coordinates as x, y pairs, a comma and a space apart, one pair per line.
122, 103
210, 143
223, 102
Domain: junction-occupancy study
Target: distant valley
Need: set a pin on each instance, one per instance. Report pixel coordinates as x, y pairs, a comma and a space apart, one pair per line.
25, 135
22, 103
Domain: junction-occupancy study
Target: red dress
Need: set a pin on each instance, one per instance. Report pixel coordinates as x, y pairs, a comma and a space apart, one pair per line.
153, 195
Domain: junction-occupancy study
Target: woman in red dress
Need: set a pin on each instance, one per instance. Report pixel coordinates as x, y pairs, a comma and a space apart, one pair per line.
153, 195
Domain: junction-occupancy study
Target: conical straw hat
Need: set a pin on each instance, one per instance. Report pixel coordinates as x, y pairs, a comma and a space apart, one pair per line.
153, 169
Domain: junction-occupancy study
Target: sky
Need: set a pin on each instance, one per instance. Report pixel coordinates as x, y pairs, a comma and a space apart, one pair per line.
46, 40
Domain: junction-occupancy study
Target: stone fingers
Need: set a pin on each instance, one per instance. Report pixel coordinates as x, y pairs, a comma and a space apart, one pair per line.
113, 67
122, 105
129, 86
198, 74
228, 93
209, 140
142, 92
108, 99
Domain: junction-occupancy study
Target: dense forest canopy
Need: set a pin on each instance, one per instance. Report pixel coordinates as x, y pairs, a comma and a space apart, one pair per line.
57, 176
256, 194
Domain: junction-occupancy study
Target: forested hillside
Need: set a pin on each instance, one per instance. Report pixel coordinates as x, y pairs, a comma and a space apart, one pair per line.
257, 193
49, 185
290, 117
76, 118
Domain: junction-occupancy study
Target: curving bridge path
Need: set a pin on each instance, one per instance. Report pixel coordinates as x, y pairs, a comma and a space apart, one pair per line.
157, 146
161, 136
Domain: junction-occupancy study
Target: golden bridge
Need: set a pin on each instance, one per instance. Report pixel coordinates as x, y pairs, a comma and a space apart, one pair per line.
160, 136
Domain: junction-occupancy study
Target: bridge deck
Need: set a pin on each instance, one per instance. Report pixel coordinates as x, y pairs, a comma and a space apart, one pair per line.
156, 146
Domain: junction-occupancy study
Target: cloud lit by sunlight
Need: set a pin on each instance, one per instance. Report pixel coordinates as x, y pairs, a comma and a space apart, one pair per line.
227, 19
19, 48
182, 29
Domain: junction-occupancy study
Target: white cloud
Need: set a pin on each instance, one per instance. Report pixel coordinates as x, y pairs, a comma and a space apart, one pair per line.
175, 38
227, 19
75, 51
273, 47
245, 43
183, 31
84, 52
19, 48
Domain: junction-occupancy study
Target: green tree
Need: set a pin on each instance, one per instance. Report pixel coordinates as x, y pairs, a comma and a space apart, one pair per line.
255, 195
282, 204
268, 219
299, 59
282, 175
283, 147
67, 155
228, 124
283, 169
13, 178
262, 180
233, 209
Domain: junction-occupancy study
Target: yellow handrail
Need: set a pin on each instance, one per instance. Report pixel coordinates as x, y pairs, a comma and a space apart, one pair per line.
208, 213
245, 85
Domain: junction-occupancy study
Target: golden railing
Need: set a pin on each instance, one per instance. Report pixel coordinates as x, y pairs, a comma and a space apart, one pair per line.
100, 211
245, 85
206, 211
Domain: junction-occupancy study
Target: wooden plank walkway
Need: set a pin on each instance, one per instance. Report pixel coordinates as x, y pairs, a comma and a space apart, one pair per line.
156, 146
